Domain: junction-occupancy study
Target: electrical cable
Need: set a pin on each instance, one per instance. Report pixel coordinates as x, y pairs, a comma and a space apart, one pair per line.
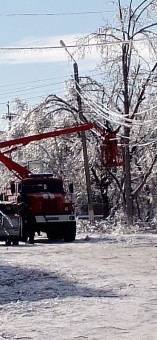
120, 135
30, 88
32, 81
59, 91
105, 43
120, 116
53, 14
104, 112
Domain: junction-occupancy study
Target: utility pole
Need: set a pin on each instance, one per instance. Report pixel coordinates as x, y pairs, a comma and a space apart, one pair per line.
84, 144
83, 137
9, 115
8, 112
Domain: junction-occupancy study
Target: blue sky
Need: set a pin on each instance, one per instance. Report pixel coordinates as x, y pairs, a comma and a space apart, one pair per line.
32, 75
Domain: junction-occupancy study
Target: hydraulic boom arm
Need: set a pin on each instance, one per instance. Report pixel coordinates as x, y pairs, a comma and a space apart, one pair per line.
19, 171
45, 135
23, 172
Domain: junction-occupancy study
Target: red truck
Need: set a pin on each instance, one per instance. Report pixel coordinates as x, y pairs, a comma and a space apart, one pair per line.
52, 210
45, 195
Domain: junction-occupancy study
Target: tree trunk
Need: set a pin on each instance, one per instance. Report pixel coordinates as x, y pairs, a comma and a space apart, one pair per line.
106, 206
127, 175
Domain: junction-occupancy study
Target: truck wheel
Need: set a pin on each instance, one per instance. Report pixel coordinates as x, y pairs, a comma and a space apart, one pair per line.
15, 241
50, 235
31, 238
70, 234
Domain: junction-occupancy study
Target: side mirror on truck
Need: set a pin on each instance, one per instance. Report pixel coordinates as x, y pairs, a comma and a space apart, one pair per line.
71, 188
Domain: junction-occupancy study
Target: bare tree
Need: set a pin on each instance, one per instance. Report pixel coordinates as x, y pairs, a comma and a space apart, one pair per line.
129, 51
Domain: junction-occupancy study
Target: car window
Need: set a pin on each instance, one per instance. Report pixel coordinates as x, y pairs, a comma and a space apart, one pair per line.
7, 209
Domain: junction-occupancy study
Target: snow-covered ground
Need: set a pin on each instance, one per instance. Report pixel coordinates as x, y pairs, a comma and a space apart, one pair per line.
99, 287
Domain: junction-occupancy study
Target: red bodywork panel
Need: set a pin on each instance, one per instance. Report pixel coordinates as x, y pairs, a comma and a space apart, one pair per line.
47, 203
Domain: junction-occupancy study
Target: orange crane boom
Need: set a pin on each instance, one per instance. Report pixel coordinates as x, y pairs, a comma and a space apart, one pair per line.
22, 172
45, 135
19, 170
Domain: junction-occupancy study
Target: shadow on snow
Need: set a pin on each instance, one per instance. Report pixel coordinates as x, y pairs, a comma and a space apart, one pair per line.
21, 284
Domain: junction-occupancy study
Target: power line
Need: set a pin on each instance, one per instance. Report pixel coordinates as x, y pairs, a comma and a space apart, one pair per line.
32, 81
58, 90
36, 48
53, 14
46, 79
115, 116
46, 92
30, 88
34, 97
104, 43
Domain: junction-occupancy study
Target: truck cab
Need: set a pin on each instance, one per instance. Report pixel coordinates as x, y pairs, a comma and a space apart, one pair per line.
51, 205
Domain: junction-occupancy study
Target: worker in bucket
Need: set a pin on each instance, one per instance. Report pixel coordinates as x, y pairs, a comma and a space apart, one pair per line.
110, 146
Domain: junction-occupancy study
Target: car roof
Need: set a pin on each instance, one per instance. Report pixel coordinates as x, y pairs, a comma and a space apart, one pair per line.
6, 202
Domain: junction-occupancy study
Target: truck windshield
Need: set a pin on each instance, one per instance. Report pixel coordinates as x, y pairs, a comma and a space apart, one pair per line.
35, 187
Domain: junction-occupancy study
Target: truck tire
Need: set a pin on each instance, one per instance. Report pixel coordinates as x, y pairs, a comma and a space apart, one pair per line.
15, 241
70, 233
50, 235
31, 237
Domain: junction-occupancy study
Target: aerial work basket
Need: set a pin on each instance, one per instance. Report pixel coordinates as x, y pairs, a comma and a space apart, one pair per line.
112, 152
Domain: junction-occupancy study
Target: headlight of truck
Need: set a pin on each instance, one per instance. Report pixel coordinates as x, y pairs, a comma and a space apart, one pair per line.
71, 217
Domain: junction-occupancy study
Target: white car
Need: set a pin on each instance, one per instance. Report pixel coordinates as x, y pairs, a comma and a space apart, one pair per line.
9, 223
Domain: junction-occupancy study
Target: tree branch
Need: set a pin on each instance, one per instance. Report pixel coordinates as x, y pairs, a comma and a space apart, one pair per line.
144, 29
140, 98
135, 192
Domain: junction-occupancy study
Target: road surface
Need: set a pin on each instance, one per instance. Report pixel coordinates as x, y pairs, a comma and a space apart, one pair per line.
99, 287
